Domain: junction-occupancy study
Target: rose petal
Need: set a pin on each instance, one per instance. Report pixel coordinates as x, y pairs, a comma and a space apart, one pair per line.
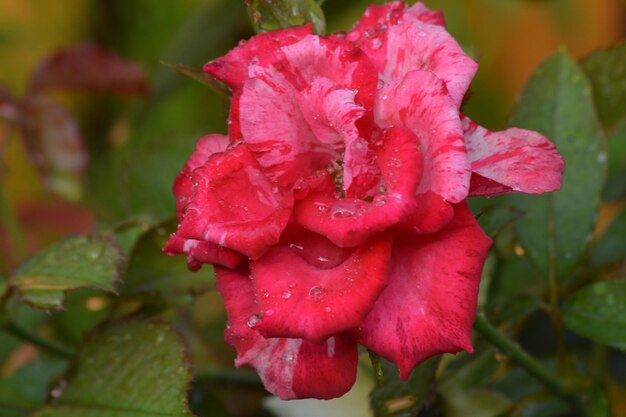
205, 147
291, 133
232, 68
289, 368
431, 214
299, 299
420, 102
429, 304
400, 40
199, 252
349, 221
234, 205
511, 160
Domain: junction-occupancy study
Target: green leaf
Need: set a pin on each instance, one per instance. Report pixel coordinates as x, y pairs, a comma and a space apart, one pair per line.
615, 187
610, 249
269, 15
477, 402
606, 70
77, 262
598, 312
133, 369
199, 76
557, 226
402, 398
598, 403
152, 272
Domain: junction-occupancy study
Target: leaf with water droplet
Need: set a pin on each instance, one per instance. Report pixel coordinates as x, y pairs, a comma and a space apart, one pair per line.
134, 369
76, 262
598, 312
557, 102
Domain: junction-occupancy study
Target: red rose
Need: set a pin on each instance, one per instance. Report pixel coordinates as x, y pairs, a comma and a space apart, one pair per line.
335, 209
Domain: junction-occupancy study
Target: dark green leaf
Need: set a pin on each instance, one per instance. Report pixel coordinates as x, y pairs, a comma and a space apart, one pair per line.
476, 402
199, 76
610, 249
557, 227
598, 403
472, 371
606, 70
598, 312
402, 398
615, 187
127, 370
77, 262
269, 15
152, 272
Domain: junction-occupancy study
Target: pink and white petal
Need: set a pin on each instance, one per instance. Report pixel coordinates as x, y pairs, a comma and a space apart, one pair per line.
232, 68
413, 45
429, 305
205, 147
290, 89
235, 205
424, 14
420, 102
289, 368
350, 221
303, 300
511, 160
199, 252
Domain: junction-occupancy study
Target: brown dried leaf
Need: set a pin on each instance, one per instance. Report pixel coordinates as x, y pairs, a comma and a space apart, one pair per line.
54, 144
88, 67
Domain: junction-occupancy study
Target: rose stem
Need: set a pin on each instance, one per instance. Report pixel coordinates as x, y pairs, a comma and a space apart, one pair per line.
525, 360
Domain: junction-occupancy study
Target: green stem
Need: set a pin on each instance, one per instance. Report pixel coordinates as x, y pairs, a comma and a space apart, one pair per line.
517, 354
32, 338
8, 219
555, 312
228, 376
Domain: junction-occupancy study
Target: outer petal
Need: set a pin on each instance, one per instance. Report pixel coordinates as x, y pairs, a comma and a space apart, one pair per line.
300, 299
199, 252
421, 103
289, 124
511, 160
235, 205
431, 214
429, 304
349, 221
232, 68
289, 368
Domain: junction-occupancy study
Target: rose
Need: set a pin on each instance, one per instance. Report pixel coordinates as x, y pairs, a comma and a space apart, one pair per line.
335, 209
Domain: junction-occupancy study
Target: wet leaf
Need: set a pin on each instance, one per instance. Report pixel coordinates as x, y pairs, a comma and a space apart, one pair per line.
78, 262
269, 15
88, 67
55, 145
606, 70
127, 370
598, 312
557, 227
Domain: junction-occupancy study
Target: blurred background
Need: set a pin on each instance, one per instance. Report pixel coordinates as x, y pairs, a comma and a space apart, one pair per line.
126, 139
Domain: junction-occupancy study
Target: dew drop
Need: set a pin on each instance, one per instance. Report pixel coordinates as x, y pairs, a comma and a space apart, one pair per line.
342, 213
327, 309
286, 295
265, 294
422, 34
253, 320
269, 312
376, 44
292, 285
317, 293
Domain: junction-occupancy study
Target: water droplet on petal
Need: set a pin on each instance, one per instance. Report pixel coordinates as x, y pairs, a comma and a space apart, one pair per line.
269, 312
292, 285
327, 309
253, 320
317, 293
376, 44
286, 295
422, 34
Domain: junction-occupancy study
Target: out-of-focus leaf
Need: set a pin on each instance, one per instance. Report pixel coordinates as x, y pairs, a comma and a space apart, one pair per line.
85, 309
28, 387
598, 403
132, 369
615, 187
606, 70
152, 272
493, 217
610, 249
477, 402
77, 262
269, 15
54, 144
402, 398
88, 67
557, 227
199, 76
598, 312
468, 371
